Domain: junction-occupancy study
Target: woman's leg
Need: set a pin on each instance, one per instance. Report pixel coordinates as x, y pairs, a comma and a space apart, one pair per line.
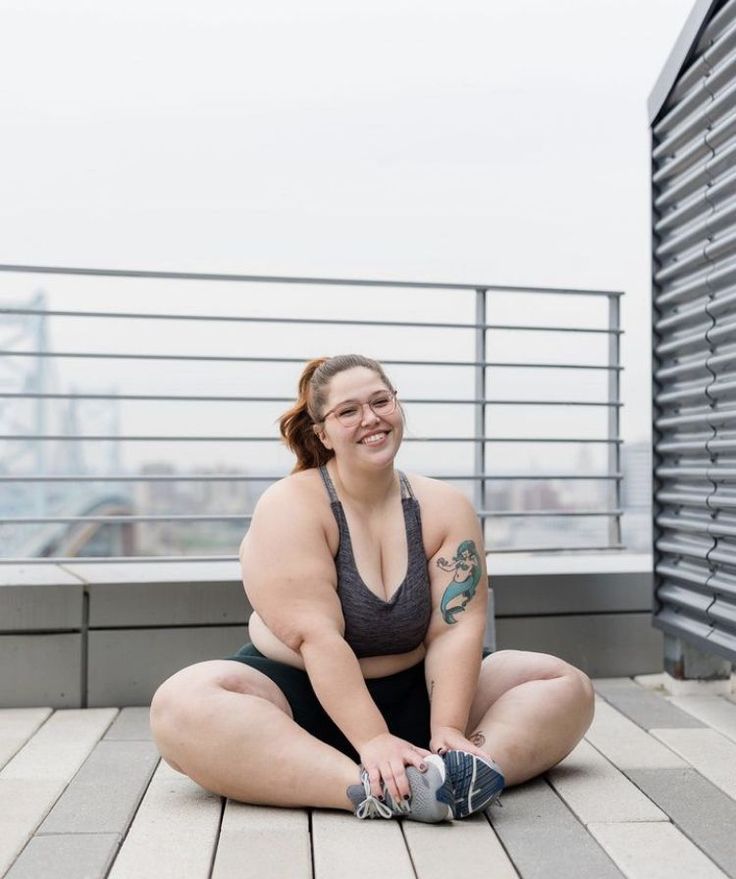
229, 728
529, 711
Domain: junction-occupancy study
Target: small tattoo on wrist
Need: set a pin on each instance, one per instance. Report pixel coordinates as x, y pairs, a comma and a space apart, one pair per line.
478, 739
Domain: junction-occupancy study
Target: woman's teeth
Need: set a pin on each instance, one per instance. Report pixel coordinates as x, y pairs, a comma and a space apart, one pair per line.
373, 439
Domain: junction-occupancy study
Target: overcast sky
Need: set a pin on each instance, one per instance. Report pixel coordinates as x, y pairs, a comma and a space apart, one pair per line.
490, 141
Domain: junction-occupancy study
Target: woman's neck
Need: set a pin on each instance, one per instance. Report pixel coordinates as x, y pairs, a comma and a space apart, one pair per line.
367, 489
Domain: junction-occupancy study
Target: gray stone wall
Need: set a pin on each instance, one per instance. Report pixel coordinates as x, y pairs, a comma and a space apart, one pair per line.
102, 633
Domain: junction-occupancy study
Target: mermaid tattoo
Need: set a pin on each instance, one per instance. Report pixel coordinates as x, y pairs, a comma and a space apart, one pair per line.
465, 565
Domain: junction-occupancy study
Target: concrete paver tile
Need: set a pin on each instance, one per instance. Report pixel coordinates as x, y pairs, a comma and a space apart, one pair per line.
645, 707
17, 725
625, 744
73, 856
104, 794
344, 846
174, 833
467, 848
596, 791
713, 755
654, 851
61, 745
131, 725
703, 812
23, 805
544, 839
715, 711
259, 841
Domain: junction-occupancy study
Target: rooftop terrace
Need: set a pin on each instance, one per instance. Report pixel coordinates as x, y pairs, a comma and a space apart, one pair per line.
650, 792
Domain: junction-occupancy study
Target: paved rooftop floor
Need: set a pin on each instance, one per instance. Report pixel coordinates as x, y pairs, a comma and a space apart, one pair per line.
650, 792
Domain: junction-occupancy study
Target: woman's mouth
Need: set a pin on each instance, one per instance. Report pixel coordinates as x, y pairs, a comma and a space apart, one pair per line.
374, 439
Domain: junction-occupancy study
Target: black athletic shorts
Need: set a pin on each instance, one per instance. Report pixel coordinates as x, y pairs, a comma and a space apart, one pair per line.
401, 698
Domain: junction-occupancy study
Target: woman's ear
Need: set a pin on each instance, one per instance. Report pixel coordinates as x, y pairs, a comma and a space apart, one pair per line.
322, 436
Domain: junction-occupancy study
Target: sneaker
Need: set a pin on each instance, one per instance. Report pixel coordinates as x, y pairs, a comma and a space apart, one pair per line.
431, 795
476, 782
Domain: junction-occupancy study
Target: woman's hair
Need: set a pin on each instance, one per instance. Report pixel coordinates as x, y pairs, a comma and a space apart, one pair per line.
297, 424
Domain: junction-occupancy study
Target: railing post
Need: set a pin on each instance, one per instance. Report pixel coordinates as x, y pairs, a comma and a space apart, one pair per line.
38, 323
479, 466
614, 420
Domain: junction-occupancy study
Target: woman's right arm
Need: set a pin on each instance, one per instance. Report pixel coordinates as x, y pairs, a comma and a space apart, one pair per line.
290, 579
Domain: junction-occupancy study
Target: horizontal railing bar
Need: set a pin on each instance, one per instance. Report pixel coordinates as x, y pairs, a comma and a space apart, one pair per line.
117, 560
332, 321
492, 550
123, 519
273, 439
122, 560
223, 517
508, 514
275, 279
234, 399
233, 359
203, 477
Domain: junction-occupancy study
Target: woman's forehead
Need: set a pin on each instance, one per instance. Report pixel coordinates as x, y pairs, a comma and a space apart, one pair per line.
354, 384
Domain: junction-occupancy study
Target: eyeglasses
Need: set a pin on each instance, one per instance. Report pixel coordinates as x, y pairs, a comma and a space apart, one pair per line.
350, 413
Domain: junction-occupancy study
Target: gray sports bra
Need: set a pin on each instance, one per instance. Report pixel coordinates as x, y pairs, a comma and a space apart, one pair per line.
374, 627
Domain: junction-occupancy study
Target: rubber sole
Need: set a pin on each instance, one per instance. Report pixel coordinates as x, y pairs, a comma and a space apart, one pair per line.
476, 782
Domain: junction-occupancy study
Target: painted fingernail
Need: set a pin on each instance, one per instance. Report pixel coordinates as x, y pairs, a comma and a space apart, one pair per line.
407, 797
422, 767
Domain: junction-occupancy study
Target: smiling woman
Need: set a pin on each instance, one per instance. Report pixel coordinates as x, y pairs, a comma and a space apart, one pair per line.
365, 686
308, 419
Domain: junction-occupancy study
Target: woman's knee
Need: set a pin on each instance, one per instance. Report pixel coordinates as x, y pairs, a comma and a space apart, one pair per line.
583, 693
188, 699
180, 698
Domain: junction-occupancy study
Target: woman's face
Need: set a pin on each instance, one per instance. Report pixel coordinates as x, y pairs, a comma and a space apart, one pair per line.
375, 439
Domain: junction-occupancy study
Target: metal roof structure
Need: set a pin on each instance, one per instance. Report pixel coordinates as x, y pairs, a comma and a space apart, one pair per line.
683, 48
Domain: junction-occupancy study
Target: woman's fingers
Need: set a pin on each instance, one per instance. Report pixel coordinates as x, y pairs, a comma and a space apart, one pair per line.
416, 758
464, 745
391, 777
374, 776
402, 782
423, 751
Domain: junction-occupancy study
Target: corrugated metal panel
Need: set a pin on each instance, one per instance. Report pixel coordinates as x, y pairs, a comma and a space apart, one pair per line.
694, 330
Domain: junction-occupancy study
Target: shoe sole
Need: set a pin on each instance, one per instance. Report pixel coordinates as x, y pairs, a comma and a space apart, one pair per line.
476, 783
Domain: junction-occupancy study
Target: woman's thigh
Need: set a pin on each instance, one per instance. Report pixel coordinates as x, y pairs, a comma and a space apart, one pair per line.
192, 682
506, 669
188, 705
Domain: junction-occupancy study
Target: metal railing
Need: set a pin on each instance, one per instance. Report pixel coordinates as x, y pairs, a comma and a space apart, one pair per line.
91, 508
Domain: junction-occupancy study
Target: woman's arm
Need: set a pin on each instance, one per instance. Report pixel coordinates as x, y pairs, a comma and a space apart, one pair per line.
290, 580
454, 640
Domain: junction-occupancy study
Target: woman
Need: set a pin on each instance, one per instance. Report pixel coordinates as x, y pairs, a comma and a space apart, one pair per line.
347, 668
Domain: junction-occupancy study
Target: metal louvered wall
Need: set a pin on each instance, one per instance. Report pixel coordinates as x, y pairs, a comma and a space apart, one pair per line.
694, 324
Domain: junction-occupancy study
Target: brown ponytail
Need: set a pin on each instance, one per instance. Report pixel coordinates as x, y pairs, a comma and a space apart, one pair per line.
297, 424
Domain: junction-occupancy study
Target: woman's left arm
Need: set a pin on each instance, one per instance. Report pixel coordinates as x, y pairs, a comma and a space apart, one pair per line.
454, 640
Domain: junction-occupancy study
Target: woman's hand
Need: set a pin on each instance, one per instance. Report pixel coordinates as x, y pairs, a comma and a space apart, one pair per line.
384, 757
447, 738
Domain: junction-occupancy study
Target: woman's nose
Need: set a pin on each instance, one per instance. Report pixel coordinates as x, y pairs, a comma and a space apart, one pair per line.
369, 416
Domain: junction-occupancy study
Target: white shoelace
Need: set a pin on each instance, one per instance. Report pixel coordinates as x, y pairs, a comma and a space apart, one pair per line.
372, 807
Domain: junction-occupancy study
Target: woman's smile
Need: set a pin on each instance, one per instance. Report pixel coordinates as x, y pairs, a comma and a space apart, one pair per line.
377, 438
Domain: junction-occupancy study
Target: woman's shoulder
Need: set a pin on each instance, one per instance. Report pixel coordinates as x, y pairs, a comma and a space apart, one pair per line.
437, 497
296, 489
292, 505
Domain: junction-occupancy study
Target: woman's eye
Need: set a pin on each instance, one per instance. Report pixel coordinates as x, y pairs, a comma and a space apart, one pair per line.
347, 413
381, 403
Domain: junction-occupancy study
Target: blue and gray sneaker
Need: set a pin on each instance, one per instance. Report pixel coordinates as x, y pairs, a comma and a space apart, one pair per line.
431, 795
476, 782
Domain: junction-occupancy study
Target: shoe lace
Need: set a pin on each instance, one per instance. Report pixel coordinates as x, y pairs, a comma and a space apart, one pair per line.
373, 807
